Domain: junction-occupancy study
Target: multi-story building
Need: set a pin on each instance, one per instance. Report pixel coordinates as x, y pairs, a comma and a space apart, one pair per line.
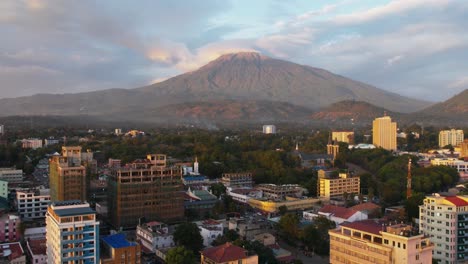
272, 206
67, 177
371, 241
37, 250
11, 175
200, 201
116, 249
146, 188
269, 129
384, 133
72, 233
210, 230
115, 163
3, 190
333, 150
336, 214
32, 203
243, 195
237, 180
12, 253
155, 235
227, 254
31, 143
343, 136
273, 191
248, 228
460, 165
10, 228
50, 141
450, 137
445, 220
330, 185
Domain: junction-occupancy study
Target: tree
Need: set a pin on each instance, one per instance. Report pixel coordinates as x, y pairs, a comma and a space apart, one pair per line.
188, 235
218, 189
180, 255
265, 254
283, 210
228, 236
289, 225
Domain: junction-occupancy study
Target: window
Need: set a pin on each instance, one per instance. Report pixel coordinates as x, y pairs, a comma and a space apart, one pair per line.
417, 256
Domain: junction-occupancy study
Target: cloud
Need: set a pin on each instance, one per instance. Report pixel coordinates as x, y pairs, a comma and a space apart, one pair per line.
394, 59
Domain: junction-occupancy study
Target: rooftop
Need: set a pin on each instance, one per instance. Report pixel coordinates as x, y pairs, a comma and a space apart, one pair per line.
11, 250
225, 253
457, 201
368, 226
365, 207
338, 211
118, 241
37, 246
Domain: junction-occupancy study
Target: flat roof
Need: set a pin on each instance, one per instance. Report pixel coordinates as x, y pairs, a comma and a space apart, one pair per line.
74, 211
117, 241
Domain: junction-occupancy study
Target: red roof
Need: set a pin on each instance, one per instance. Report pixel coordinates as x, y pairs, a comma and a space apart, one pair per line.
457, 201
37, 246
365, 207
15, 248
224, 253
369, 226
338, 211
211, 222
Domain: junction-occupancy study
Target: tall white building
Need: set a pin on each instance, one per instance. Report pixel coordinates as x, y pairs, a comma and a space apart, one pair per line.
450, 137
32, 203
445, 220
269, 129
72, 233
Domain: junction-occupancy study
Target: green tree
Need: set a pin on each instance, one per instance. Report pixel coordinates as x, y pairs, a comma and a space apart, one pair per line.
180, 255
289, 225
188, 235
229, 236
283, 210
218, 189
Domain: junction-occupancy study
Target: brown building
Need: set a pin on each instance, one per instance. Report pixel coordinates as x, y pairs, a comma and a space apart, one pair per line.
237, 180
464, 149
274, 191
146, 188
67, 177
117, 250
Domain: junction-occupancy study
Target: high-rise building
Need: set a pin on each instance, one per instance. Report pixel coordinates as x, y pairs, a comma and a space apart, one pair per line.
148, 189
372, 241
72, 233
343, 136
384, 133
67, 177
464, 149
445, 220
450, 137
269, 129
332, 184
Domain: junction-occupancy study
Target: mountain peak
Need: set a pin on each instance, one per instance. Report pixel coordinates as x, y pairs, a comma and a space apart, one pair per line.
243, 55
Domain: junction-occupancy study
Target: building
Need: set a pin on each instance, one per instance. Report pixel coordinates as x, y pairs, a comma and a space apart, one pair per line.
445, 220
12, 253
460, 165
343, 136
227, 254
237, 180
72, 233
32, 203
210, 230
67, 177
248, 228
450, 137
116, 249
332, 184
243, 195
336, 214
50, 142
201, 201
464, 149
333, 150
266, 239
2, 130
11, 175
37, 250
31, 143
372, 241
118, 131
384, 133
272, 206
370, 209
147, 188
35, 233
3, 190
273, 191
114, 163
269, 129
10, 228
155, 235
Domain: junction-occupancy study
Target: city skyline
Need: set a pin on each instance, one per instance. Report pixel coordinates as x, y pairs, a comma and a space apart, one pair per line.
413, 48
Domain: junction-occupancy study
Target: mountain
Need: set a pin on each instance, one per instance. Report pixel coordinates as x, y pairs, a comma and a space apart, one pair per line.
242, 85
458, 104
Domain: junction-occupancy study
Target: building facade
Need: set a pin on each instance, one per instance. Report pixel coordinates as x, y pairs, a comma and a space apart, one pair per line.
10, 228
445, 220
237, 180
272, 206
273, 191
343, 136
210, 230
67, 177
450, 137
269, 129
146, 188
32, 203
11, 175
37, 250
384, 133
371, 242
72, 233
334, 186
31, 143
155, 235
464, 149
116, 249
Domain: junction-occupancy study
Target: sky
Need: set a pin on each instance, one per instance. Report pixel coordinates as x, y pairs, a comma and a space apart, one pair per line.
416, 48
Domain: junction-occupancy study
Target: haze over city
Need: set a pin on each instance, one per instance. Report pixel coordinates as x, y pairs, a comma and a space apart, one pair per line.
416, 48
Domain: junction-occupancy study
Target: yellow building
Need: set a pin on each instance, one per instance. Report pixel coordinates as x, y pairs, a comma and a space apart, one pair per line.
67, 177
333, 150
118, 250
450, 137
373, 242
227, 254
343, 136
272, 206
384, 133
464, 149
332, 186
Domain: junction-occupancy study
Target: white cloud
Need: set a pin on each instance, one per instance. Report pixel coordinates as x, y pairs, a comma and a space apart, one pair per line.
394, 59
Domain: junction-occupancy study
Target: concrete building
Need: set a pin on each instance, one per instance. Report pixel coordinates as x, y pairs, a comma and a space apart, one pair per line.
269, 129
237, 180
450, 137
210, 230
10, 228
460, 165
11, 175
114, 163
445, 220
332, 184
67, 177
333, 150
72, 233
145, 188
464, 149
343, 136
336, 214
32, 203
12, 253
273, 191
118, 131
272, 206
248, 228
200, 201
155, 235
50, 142
384, 133
37, 250
227, 254
31, 143
3, 190
243, 195
116, 249
372, 241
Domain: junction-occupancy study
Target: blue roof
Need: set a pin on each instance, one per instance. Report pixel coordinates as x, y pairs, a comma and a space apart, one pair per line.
117, 241
195, 178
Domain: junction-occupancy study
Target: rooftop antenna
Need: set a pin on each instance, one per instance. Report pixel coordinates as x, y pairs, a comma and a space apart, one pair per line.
408, 180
